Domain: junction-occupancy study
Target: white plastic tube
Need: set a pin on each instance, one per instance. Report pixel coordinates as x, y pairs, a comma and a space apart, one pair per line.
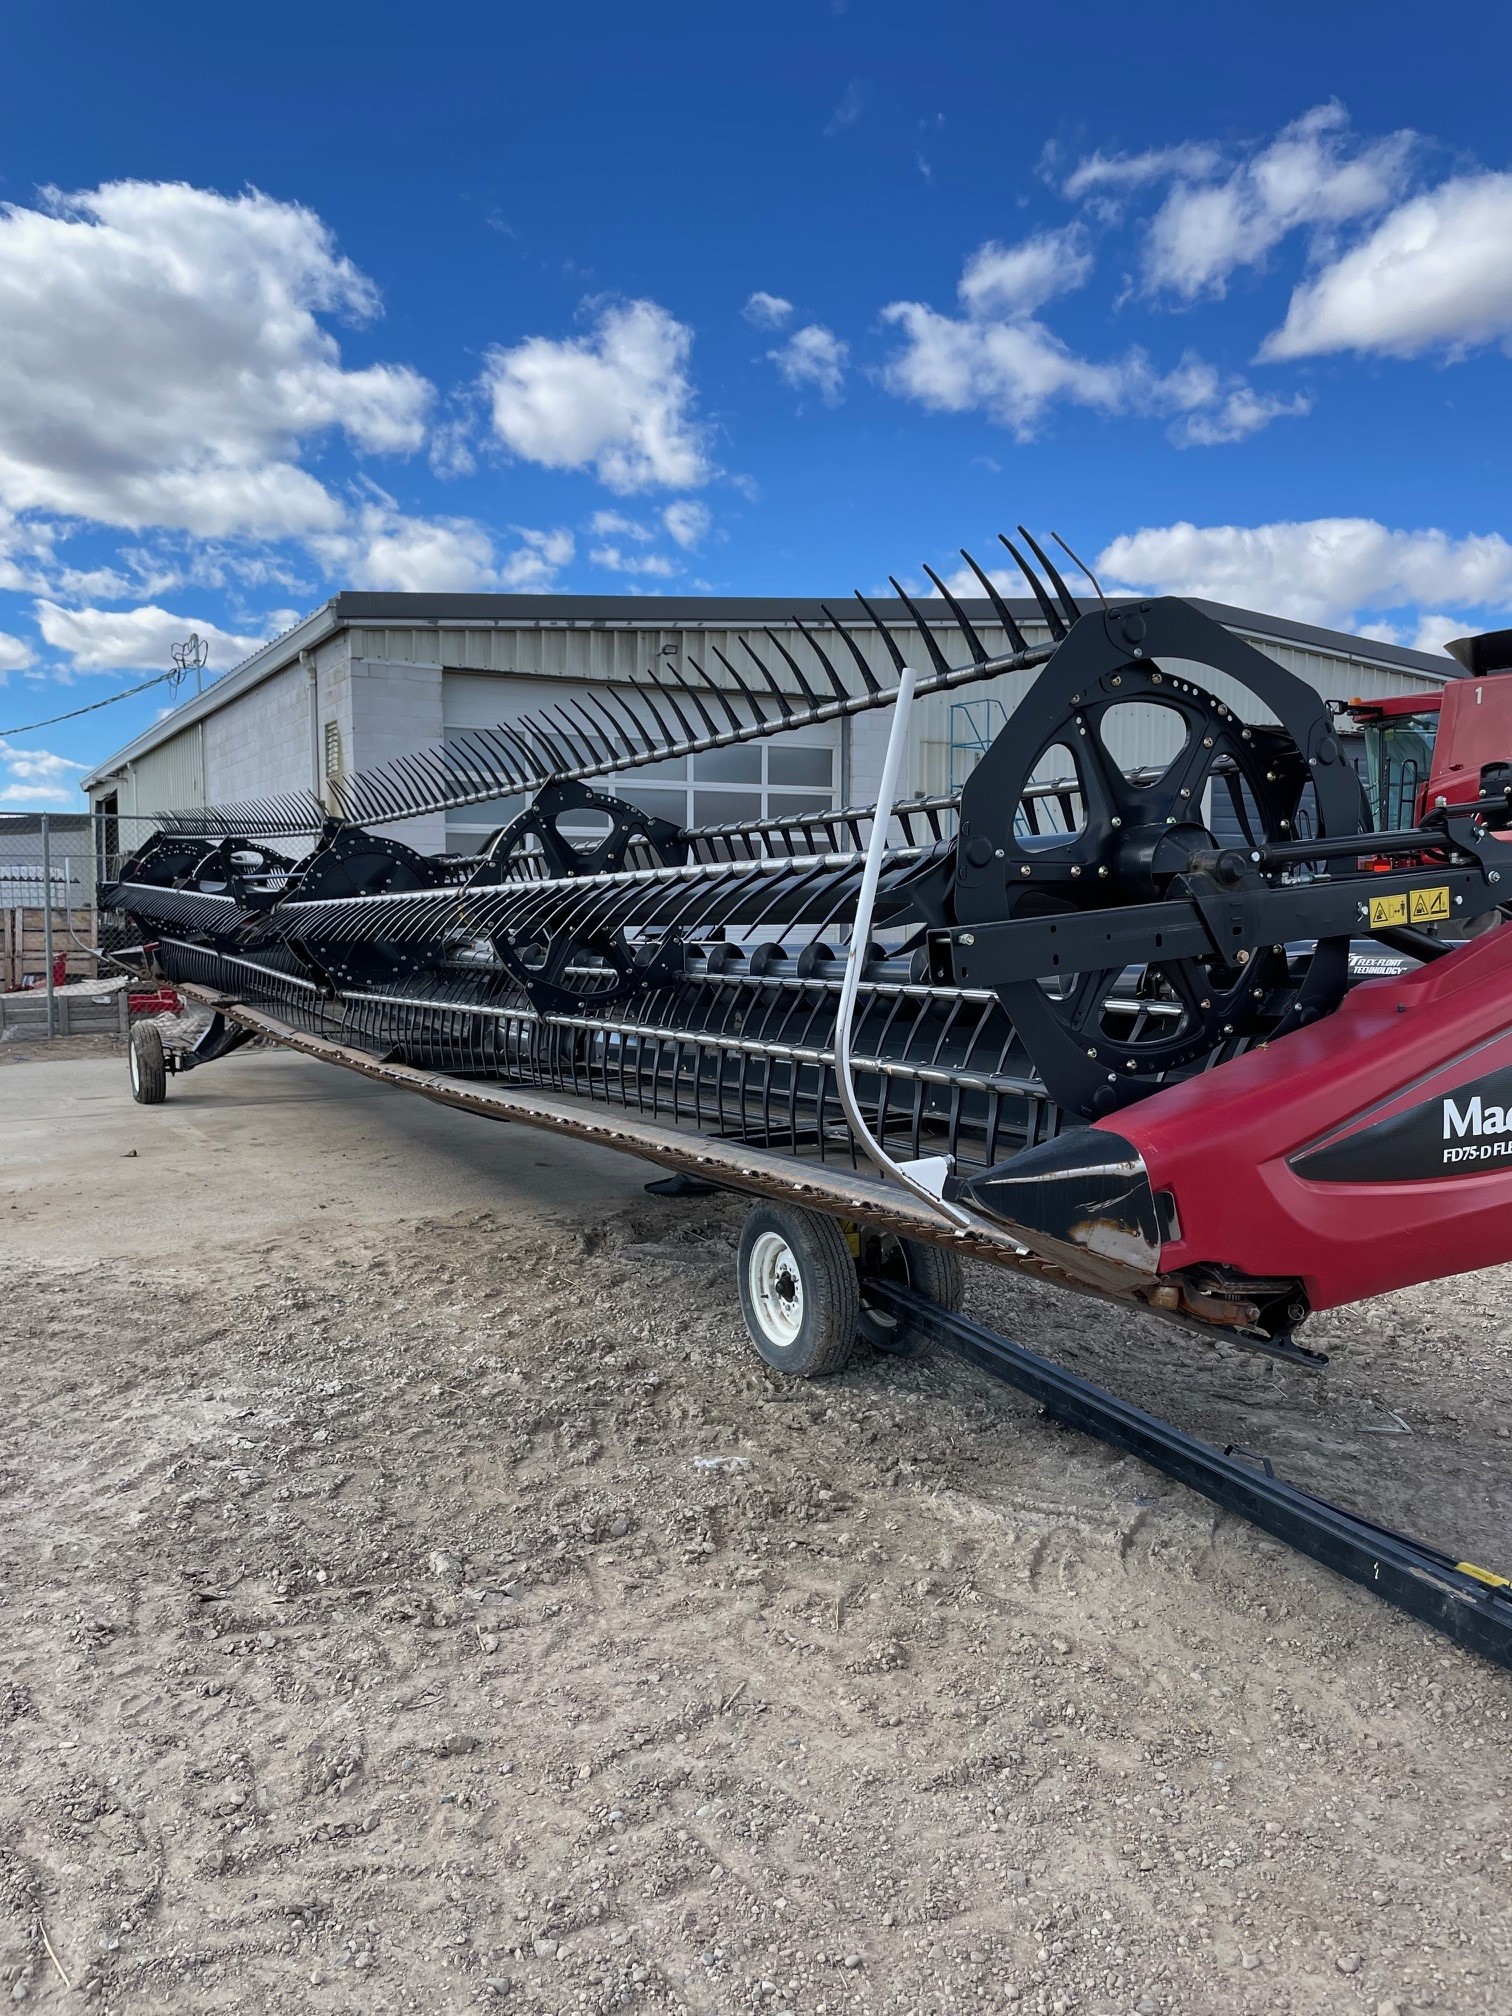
866, 898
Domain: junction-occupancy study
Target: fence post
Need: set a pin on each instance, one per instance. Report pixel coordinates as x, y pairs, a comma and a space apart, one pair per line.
47, 938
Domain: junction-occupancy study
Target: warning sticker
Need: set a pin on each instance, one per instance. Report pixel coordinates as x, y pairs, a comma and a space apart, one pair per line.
1412, 906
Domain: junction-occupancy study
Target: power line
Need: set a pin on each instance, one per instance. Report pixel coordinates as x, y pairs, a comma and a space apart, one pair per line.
94, 706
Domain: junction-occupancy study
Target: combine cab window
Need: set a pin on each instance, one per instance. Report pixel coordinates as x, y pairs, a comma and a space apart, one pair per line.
1399, 753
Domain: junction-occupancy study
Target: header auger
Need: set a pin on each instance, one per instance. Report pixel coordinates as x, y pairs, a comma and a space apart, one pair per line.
1092, 1017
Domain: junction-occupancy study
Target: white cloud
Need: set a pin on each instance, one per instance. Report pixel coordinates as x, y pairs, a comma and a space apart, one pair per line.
848, 111
26, 551
1194, 160
687, 522
1306, 177
813, 356
618, 401
1010, 280
163, 361
766, 311
381, 546
15, 653
615, 525
37, 777
100, 640
616, 562
1334, 571
998, 358
1438, 270
532, 568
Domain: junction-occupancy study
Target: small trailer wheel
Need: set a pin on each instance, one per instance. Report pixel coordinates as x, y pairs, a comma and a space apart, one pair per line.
798, 1290
149, 1066
931, 1271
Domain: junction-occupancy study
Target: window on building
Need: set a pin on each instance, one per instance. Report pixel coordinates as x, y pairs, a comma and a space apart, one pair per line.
721, 787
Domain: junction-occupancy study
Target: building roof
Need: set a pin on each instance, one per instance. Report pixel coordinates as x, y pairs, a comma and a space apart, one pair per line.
15, 824
359, 608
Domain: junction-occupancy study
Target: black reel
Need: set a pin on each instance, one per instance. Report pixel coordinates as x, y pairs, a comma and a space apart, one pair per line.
1099, 794
571, 832
605, 829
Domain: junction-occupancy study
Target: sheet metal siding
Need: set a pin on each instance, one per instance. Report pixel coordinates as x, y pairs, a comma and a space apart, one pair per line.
170, 776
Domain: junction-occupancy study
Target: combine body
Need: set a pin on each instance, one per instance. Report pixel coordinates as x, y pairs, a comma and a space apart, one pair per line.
1425, 751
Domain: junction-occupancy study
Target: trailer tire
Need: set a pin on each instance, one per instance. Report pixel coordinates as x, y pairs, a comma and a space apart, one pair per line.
798, 1290
149, 1065
931, 1271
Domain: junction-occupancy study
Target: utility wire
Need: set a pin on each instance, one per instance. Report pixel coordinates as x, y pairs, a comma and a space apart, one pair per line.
94, 706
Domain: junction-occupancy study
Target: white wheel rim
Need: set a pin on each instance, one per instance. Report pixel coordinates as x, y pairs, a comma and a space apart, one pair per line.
776, 1288
136, 1071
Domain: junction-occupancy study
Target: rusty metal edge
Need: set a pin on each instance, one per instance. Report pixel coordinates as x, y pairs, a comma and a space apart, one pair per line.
758, 1171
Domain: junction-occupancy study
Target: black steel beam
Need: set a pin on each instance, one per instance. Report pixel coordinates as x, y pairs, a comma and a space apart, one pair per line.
1467, 1603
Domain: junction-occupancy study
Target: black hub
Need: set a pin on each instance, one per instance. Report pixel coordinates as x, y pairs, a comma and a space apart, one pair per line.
1099, 794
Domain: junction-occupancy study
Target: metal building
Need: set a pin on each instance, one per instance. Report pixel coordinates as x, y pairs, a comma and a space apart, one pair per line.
370, 677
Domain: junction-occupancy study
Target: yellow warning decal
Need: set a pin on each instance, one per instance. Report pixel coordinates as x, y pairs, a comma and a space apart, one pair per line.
1414, 906
1484, 1575
1387, 910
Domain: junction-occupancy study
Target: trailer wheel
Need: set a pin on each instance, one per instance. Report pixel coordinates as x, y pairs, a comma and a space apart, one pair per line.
798, 1290
149, 1066
932, 1271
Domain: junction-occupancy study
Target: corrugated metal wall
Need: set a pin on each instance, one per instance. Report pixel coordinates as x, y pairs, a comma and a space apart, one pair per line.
598, 656
166, 778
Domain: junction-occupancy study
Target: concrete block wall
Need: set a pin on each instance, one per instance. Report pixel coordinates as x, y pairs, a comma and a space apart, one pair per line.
259, 744
393, 710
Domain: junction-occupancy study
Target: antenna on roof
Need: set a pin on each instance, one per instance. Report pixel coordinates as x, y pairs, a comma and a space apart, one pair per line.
190, 656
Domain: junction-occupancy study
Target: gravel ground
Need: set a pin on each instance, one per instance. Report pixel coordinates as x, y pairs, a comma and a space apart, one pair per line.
448, 1613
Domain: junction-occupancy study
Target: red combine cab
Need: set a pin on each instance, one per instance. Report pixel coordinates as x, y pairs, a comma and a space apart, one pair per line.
1425, 751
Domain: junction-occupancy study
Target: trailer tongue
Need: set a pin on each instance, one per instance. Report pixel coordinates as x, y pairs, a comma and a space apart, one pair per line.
1071, 1028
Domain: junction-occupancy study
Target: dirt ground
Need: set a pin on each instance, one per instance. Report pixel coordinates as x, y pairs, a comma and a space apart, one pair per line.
418, 1597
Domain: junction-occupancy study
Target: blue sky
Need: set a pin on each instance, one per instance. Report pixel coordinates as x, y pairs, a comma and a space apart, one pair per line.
765, 301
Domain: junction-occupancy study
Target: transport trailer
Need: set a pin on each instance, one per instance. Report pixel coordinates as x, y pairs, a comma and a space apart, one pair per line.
1056, 1023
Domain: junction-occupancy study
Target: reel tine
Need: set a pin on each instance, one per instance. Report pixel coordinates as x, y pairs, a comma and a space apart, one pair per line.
534, 776
931, 645
1077, 561
792, 664
532, 726
819, 652
776, 691
974, 643
401, 787
688, 732
645, 692
1000, 608
606, 745
693, 695
718, 691
614, 731
639, 733
755, 699
1047, 608
504, 768
899, 662
572, 735
1073, 614
854, 648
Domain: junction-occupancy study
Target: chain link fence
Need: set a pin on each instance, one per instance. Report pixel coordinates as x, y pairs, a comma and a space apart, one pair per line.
58, 972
